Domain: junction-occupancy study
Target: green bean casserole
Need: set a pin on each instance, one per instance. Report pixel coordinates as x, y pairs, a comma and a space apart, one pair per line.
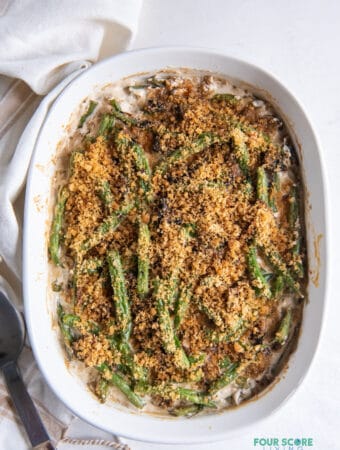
178, 243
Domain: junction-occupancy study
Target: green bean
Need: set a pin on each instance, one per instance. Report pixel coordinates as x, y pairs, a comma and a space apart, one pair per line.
106, 125
139, 86
74, 287
169, 391
231, 335
122, 143
243, 160
72, 161
165, 289
138, 372
198, 360
203, 141
282, 333
293, 209
278, 286
120, 295
211, 313
101, 389
56, 286
155, 82
276, 181
224, 363
181, 358
182, 306
294, 223
143, 259
125, 145
89, 139
275, 188
151, 82
165, 323
93, 327
56, 229
298, 269
256, 273
144, 388
69, 319
143, 170
119, 114
105, 194
226, 378
241, 151
187, 232
277, 262
207, 184
122, 346
262, 185
187, 411
195, 397
170, 341
242, 382
121, 384
67, 325
173, 288
89, 111
109, 225
247, 188
115, 105
268, 276
91, 266
230, 98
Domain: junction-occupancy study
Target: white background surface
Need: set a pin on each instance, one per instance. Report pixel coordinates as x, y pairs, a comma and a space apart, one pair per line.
299, 42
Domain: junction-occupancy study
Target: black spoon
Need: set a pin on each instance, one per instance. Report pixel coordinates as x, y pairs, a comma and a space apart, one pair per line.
12, 336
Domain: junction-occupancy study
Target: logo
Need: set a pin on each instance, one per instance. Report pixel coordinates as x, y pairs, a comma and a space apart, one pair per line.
286, 443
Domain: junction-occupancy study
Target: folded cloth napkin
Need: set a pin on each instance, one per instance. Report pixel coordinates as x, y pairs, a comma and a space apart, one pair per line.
42, 42
46, 44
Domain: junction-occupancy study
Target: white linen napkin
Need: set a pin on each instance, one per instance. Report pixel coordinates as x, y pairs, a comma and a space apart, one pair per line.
46, 44
42, 41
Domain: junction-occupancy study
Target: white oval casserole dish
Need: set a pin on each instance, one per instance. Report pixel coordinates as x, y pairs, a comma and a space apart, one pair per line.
40, 312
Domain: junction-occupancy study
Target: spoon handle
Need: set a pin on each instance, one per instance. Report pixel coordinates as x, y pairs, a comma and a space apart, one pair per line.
26, 409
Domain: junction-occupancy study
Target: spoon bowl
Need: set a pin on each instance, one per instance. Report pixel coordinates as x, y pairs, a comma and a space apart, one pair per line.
12, 331
12, 337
